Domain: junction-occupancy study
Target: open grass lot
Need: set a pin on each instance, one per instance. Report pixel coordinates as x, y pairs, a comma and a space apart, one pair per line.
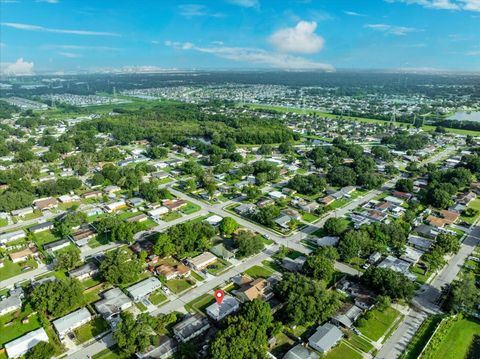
258, 271
109, 353
99, 240
457, 341
475, 204
199, 304
342, 351
171, 216
178, 285
190, 208
12, 326
44, 237
377, 322
217, 267
3, 222
157, 297
272, 265
11, 269
360, 343
91, 329
281, 346
309, 217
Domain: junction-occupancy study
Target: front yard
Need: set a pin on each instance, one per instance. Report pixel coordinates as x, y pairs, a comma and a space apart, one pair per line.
13, 327
178, 285
90, 330
11, 269
375, 324
258, 271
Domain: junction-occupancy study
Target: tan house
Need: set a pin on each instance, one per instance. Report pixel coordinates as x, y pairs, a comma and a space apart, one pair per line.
172, 272
201, 261
257, 289
23, 255
46, 203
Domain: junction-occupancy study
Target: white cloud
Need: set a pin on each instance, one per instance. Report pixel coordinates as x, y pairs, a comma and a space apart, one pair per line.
80, 47
256, 56
353, 13
391, 29
20, 67
29, 27
193, 10
467, 5
245, 3
473, 53
155, 42
48, 1
300, 39
70, 55
2, 45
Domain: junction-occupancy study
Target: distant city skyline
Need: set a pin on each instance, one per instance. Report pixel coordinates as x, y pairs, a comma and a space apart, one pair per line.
75, 36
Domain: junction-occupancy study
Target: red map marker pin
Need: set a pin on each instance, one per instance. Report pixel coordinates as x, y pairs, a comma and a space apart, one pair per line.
219, 295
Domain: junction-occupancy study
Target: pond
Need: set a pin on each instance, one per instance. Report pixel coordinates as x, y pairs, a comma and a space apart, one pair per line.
465, 116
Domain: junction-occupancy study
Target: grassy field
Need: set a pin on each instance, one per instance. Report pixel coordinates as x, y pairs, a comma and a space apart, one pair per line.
456, 343
12, 326
199, 304
11, 269
377, 323
109, 353
91, 329
190, 208
353, 118
342, 351
44, 237
217, 267
171, 216
3, 222
360, 343
178, 285
258, 271
309, 217
475, 204
157, 297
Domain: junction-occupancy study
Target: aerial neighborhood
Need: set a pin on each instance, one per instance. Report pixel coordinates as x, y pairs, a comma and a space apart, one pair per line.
330, 235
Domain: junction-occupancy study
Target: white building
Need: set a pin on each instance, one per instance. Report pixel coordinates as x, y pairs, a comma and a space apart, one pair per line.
228, 306
144, 288
11, 236
201, 261
325, 338
71, 322
157, 212
18, 347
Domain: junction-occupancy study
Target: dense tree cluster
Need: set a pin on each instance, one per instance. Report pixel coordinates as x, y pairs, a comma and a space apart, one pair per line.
248, 244
245, 335
308, 185
306, 300
57, 298
404, 141
120, 267
185, 239
387, 282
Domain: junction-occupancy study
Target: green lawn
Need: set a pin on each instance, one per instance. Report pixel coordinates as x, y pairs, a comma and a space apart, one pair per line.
141, 307
171, 216
258, 271
91, 329
360, 343
377, 322
199, 304
342, 351
11, 269
217, 267
3, 222
457, 341
196, 276
99, 240
13, 328
44, 237
190, 208
109, 353
178, 285
157, 297
309, 217
475, 204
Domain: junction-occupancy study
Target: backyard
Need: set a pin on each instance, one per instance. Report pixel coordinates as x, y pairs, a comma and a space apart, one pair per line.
343, 351
11, 269
13, 326
376, 323
258, 271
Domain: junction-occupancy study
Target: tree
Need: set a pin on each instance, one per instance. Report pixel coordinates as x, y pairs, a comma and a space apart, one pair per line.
355, 243
306, 300
151, 192
227, 226
335, 226
252, 192
319, 267
434, 259
120, 267
132, 334
463, 295
308, 185
266, 215
388, 282
67, 259
43, 350
124, 232
447, 243
341, 176
246, 334
404, 185
57, 298
248, 244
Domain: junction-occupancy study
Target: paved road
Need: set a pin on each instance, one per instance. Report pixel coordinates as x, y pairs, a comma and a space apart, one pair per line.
86, 352
425, 302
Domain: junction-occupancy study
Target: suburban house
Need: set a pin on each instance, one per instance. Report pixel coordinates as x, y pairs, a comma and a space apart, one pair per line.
115, 206
111, 189
10, 304
138, 218
57, 245
419, 242
113, 303
88, 270
92, 194
41, 227
81, 236
18, 347
325, 338
164, 348
21, 212
12, 236
72, 321
293, 265
157, 212
397, 265
256, 289
228, 306
174, 204
411, 255
191, 327
172, 272
23, 255
202, 261
347, 315
143, 288
213, 220
300, 352
220, 251
45, 203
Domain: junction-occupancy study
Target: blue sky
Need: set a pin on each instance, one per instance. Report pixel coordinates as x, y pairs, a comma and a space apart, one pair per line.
73, 35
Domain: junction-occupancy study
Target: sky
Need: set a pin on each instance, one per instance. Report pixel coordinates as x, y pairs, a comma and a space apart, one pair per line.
326, 35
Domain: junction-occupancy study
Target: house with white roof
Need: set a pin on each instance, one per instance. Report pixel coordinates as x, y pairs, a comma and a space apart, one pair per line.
18, 347
144, 288
228, 306
72, 321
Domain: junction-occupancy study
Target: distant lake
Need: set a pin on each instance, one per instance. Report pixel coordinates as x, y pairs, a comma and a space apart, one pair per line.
465, 116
